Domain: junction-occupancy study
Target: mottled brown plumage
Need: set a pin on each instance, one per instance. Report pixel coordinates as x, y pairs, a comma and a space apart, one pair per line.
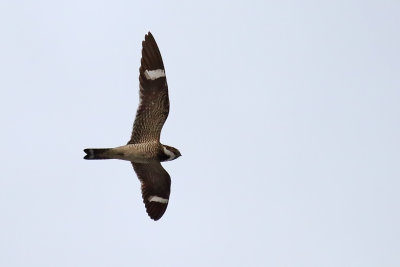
155, 181
153, 108
144, 149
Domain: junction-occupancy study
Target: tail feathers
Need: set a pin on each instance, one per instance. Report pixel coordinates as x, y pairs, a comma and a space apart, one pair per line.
96, 153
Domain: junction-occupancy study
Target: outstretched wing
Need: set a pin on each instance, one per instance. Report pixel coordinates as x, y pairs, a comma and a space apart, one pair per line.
156, 187
154, 103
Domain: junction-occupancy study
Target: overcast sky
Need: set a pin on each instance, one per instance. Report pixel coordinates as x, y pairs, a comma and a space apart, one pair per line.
286, 114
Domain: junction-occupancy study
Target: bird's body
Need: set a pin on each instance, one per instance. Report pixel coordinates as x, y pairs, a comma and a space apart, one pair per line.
144, 149
137, 153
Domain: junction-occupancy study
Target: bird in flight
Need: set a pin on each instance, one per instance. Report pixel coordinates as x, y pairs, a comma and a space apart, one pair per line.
144, 150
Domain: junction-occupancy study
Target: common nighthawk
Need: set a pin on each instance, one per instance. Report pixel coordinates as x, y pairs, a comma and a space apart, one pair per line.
144, 149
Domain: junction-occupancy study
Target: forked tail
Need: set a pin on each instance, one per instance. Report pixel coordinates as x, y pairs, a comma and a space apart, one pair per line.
96, 153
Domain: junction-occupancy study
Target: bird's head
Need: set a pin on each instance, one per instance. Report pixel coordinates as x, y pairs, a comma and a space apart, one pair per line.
171, 152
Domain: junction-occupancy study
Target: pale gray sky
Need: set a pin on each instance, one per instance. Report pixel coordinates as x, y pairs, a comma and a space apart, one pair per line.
286, 114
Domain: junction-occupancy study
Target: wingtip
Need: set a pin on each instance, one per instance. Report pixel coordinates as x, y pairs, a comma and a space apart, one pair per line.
149, 35
155, 217
155, 210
